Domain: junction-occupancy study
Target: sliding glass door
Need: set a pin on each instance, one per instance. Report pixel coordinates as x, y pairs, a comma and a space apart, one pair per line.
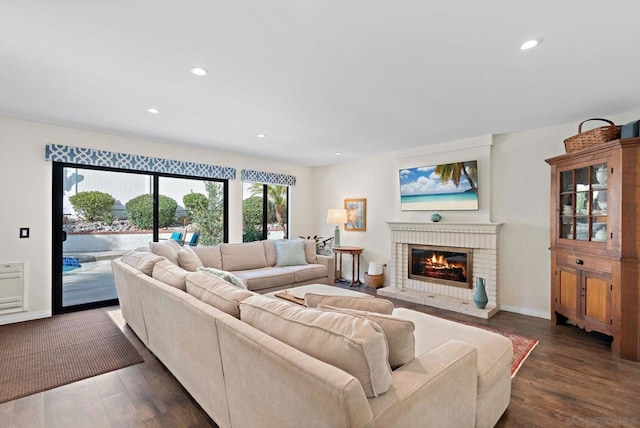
101, 213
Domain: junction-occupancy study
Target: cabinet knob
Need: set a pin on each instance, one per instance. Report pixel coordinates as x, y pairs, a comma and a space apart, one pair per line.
579, 262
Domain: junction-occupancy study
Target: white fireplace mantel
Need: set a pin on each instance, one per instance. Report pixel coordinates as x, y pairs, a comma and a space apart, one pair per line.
490, 228
482, 238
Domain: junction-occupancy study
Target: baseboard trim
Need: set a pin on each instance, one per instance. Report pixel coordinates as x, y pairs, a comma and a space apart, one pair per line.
526, 311
24, 316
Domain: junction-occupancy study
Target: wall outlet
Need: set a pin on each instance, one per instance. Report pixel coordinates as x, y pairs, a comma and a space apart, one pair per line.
24, 232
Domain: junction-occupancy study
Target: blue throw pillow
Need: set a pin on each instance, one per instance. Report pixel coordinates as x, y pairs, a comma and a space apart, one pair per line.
290, 253
223, 274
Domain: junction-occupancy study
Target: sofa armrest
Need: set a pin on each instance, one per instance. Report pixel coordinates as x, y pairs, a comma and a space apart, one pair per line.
329, 263
438, 386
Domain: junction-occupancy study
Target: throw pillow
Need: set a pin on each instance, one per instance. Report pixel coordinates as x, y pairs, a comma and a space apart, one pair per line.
167, 249
399, 333
170, 274
189, 260
216, 292
290, 253
141, 260
223, 274
370, 304
353, 344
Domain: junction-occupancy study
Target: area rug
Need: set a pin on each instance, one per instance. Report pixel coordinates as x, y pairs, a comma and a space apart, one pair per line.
47, 353
522, 347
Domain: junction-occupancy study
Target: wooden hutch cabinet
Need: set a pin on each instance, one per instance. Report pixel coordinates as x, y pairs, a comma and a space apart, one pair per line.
595, 242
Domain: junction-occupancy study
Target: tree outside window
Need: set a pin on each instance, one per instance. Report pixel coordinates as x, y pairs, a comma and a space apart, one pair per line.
264, 212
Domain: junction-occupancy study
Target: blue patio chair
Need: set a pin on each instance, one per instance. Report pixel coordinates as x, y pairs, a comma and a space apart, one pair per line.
177, 236
194, 239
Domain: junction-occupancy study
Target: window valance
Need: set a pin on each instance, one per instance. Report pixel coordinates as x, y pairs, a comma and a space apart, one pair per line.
267, 177
104, 158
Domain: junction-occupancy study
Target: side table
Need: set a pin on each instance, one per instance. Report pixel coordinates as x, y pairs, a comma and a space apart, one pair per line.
355, 263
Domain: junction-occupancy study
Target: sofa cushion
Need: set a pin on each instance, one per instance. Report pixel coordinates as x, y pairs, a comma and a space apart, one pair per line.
270, 251
216, 292
353, 344
494, 351
370, 304
399, 333
310, 251
170, 274
227, 276
307, 272
189, 260
259, 279
248, 255
141, 260
167, 249
290, 253
209, 255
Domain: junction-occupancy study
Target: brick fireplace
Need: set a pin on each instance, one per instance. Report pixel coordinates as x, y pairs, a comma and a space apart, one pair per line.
479, 240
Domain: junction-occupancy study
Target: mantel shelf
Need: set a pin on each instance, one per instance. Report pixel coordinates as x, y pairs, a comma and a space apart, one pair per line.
446, 226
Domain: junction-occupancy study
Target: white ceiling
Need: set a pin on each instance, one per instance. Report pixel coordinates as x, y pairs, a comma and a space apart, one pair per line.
317, 76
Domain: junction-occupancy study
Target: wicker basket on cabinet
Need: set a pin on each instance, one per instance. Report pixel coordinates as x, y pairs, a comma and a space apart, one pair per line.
593, 137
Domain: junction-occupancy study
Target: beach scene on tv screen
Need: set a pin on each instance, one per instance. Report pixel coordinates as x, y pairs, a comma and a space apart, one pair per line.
444, 187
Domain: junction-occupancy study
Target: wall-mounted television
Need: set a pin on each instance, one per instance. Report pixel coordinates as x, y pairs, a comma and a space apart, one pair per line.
444, 187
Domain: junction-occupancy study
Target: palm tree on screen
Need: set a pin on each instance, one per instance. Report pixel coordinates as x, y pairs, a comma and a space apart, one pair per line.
455, 171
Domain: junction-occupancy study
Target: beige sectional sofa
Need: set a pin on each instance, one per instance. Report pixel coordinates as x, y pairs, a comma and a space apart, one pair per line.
255, 263
243, 376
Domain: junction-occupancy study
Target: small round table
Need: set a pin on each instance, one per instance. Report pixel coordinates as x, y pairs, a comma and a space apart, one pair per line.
355, 263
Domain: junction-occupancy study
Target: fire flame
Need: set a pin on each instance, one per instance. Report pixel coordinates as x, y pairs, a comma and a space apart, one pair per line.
438, 261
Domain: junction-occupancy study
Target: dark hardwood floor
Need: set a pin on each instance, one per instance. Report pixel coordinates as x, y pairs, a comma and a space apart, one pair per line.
570, 379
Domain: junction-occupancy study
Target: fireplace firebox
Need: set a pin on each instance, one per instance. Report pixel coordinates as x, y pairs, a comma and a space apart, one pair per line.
444, 265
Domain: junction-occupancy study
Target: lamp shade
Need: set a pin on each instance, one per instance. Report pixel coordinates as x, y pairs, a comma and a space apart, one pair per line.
336, 216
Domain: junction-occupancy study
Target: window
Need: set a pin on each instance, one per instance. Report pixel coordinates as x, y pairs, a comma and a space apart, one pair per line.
265, 212
199, 217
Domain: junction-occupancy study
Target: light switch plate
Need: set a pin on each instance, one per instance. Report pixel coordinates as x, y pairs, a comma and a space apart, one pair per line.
24, 232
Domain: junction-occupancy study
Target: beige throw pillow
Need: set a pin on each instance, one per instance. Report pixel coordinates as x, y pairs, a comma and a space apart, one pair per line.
353, 344
167, 249
141, 260
170, 274
189, 260
216, 292
370, 304
399, 333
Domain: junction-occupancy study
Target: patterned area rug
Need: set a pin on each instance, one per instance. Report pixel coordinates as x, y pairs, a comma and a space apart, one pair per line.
522, 347
47, 353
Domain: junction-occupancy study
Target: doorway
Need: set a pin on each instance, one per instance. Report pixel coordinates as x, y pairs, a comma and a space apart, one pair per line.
101, 213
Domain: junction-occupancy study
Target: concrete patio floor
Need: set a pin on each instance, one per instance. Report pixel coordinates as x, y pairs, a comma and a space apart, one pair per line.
93, 281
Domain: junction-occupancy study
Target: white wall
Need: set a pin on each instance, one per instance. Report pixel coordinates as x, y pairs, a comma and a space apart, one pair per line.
512, 171
25, 183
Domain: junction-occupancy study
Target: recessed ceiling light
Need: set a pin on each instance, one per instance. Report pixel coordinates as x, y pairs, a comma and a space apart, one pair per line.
260, 135
153, 110
338, 153
199, 71
530, 44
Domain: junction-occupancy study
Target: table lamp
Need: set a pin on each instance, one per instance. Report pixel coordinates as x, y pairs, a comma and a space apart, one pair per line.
336, 216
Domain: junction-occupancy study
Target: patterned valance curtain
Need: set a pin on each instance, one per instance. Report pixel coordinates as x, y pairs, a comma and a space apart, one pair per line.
103, 158
267, 177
